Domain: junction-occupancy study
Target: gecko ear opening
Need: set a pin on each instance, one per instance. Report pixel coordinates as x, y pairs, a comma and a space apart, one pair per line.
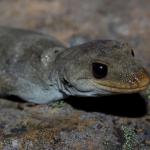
99, 70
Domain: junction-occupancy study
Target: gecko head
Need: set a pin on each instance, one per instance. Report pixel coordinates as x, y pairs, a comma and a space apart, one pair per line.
101, 67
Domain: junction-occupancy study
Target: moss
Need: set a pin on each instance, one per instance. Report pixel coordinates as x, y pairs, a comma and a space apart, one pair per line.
146, 93
58, 104
130, 138
111, 146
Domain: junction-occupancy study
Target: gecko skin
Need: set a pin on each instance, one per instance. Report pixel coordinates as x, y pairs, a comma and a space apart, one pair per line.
39, 69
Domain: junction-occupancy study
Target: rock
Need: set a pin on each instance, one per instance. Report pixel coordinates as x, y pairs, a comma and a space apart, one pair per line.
54, 127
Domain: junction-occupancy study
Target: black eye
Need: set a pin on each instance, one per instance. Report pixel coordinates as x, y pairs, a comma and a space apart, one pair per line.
99, 70
132, 52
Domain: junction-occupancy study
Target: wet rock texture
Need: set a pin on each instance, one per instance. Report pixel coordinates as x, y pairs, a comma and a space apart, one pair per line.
62, 126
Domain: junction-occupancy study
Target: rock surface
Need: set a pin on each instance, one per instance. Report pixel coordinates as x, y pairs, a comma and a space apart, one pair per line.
78, 124
60, 126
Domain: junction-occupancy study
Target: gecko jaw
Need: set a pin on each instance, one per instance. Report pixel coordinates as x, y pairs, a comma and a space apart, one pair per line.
123, 89
136, 83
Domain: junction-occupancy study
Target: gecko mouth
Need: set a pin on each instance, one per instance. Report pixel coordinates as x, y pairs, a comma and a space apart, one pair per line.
124, 87
121, 90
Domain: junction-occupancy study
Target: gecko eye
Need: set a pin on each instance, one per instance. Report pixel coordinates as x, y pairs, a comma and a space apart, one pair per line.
132, 53
99, 70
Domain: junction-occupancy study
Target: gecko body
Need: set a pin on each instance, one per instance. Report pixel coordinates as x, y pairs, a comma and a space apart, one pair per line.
39, 69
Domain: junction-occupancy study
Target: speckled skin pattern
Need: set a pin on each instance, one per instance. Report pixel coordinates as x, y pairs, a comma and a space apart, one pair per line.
38, 68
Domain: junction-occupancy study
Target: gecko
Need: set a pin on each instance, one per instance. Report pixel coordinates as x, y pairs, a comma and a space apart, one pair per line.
39, 69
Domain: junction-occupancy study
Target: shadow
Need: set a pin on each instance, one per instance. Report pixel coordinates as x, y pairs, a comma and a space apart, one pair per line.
13, 98
127, 105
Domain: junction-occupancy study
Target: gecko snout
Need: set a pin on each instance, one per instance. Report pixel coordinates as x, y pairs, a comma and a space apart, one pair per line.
140, 79
137, 81
126, 83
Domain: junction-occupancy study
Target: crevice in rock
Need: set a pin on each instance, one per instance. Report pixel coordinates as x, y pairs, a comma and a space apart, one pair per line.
126, 105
